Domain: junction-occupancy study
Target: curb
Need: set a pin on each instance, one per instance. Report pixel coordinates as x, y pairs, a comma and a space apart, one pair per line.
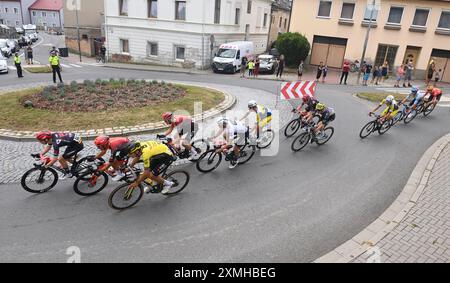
229, 102
150, 70
384, 224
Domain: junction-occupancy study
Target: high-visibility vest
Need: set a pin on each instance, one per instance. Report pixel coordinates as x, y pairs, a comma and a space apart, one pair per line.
17, 60
54, 60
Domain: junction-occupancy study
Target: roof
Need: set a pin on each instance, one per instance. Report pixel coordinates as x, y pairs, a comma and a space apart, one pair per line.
47, 5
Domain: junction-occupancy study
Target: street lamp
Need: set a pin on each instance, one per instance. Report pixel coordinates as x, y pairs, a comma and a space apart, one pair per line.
78, 29
366, 41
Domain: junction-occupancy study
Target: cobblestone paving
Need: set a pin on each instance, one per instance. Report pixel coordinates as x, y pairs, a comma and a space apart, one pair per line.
424, 234
15, 156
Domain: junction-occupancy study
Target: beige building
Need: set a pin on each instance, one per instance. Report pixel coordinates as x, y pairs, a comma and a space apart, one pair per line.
417, 30
281, 12
91, 19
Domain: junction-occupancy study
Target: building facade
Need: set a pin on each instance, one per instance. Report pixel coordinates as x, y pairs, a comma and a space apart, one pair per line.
281, 12
91, 19
14, 13
47, 14
417, 30
172, 32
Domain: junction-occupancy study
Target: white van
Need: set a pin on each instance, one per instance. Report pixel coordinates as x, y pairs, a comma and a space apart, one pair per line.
229, 56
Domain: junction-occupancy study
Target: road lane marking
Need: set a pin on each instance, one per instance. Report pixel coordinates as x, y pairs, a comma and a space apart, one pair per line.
76, 66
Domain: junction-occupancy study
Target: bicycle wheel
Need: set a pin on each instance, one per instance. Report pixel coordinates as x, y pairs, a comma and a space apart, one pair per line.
180, 180
328, 134
292, 128
385, 127
397, 118
200, 147
83, 166
368, 129
430, 108
209, 161
90, 183
300, 142
123, 197
246, 153
266, 139
39, 180
409, 117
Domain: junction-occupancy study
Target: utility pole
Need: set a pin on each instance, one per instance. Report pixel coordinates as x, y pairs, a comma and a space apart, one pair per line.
78, 29
366, 41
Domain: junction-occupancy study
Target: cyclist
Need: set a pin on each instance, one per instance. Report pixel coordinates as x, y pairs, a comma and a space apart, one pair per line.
310, 108
72, 142
327, 115
235, 134
391, 110
263, 116
118, 153
185, 127
154, 155
417, 98
433, 95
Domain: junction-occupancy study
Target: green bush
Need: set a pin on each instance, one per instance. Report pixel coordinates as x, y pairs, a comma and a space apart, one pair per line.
98, 81
294, 46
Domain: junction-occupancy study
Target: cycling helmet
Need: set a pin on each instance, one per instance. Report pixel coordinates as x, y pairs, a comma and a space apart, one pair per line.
132, 147
252, 104
167, 116
414, 89
102, 141
430, 88
305, 98
390, 98
320, 106
222, 121
44, 135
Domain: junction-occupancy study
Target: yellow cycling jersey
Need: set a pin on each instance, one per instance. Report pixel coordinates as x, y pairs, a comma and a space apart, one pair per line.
151, 149
262, 113
393, 107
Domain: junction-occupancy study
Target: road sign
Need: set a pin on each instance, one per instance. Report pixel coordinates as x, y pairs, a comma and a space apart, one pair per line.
297, 90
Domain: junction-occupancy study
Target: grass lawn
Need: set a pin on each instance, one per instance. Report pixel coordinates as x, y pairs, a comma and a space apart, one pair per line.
378, 96
38, 70
17, 117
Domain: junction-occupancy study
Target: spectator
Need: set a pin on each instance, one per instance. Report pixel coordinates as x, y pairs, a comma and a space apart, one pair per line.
384, 71
54, 62
281, 65
300, 70
408, 73
437, 77
103, 53
345, 71
243, 66
18, 64
251, 68
430, 72
257, 65
54, 51
324, 73
367, 72
380, 75
30, 54
319, 71
400, 74
375, 75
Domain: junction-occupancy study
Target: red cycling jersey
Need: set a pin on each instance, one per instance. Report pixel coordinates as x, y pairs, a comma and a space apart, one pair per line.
178, 120
117, 143
436, 92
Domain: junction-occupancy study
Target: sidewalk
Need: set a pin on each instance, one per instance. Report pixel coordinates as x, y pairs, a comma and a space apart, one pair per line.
416, 228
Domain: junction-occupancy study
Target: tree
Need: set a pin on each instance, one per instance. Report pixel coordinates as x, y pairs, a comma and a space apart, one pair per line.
294, 46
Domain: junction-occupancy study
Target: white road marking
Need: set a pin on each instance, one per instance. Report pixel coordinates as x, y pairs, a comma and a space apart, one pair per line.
66, 66
12, 68
76, 66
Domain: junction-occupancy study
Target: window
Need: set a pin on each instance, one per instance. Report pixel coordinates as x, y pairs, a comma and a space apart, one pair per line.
265, 20
6, 10
123, 7
84, 37
54, 25
152, 49
152, 6
54, 15
347, 11
17, 23
180, 10
34, 13
281, 21
249, 7
217, 12
370, 10
16, 11
285, 23
124, 46
324, 8
247, 32
237, 16
421, 17
395, 15
444, 22
44, 14
180, 52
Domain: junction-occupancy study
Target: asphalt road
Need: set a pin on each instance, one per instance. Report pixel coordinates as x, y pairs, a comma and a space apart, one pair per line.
293, 207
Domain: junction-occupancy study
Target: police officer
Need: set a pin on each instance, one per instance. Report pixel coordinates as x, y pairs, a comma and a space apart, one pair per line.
54, 62
18, 64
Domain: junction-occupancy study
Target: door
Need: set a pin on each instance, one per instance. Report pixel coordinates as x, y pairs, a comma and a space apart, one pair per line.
335, 56
441, 60
319, 53
329, 50
386, 53
412, 54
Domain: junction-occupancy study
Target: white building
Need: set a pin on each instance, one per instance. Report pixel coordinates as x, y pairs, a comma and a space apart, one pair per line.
173, 32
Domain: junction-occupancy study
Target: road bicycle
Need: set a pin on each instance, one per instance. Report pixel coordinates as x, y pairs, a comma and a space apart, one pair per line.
200, 146
265, 137
211, 159
309, 136
297, 124
41, 179
409, 117
376, 125
124, 197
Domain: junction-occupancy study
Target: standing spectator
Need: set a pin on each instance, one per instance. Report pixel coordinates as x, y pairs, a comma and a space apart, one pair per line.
30, 55
408, 73
54, 62
437, 77
367, 72
18, 64
400, 74
103, 53
257, 65
319, 71
380, 75
345, 71
251, 68
325, 73
54, 51
384, 71
300, 70
243, 66
375, 75
430, 72
281, 65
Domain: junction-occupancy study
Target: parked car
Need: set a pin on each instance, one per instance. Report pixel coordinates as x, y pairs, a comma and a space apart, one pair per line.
13, 45
268, 63
19, 30
274, 52
229, 57
6, 51
24, 41
3, 65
